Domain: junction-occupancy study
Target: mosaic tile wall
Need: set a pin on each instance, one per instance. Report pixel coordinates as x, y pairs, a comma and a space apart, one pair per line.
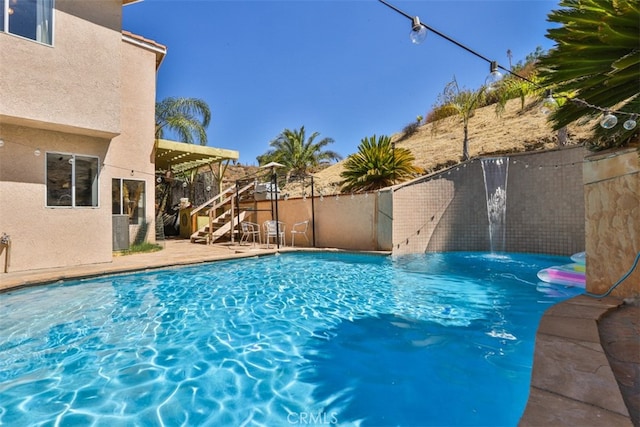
448, 211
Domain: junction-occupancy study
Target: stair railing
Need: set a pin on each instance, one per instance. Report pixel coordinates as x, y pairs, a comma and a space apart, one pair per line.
223, 202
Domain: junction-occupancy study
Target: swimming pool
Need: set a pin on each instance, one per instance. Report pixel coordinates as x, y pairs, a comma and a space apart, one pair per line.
296, 339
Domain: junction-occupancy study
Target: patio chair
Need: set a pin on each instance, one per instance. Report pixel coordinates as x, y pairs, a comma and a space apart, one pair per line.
271, 230
299, 228
249, 231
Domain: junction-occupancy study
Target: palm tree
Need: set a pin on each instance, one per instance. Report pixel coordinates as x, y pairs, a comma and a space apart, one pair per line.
596, 62
377, 164
298, 153
465, 103
187, 117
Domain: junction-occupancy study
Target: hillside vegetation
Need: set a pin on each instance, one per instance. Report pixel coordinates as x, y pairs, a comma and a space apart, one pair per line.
438, 145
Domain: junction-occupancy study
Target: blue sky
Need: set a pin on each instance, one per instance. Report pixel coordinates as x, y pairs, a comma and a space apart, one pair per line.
343, 68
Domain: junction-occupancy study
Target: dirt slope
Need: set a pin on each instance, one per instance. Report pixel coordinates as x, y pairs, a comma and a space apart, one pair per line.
515, 130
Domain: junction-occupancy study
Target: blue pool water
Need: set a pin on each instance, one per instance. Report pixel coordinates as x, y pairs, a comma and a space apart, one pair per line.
296, 339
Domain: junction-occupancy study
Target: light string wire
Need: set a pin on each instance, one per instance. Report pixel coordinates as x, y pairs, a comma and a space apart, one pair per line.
484, 58
132, 172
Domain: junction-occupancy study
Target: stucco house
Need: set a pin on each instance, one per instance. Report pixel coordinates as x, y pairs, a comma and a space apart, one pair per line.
77, 107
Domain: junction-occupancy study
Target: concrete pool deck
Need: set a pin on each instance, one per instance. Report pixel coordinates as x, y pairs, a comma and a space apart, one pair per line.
586, 368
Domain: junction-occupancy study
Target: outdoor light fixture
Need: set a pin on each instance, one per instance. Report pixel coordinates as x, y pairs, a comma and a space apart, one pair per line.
548, 103
630, 124
36, 152
494, 77
418, 32
608, 120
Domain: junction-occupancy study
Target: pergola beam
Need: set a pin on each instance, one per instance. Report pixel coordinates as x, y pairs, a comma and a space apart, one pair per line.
179, 157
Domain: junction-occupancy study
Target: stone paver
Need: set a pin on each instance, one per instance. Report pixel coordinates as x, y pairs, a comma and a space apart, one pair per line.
586, 349
620, 332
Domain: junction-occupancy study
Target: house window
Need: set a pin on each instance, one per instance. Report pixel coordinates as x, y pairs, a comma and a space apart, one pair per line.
72, 180
127, 198
31, 19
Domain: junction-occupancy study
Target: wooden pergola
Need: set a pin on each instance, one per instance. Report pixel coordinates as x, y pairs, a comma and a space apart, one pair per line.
177, 159
180, 158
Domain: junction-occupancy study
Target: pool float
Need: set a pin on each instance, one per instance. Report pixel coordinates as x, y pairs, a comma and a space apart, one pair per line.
572, 274
579, 258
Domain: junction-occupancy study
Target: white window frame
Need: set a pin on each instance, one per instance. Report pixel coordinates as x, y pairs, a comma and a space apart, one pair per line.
95, 187
6, 5
121, 201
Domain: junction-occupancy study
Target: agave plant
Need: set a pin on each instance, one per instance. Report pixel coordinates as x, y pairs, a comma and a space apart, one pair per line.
595, 64
377, 164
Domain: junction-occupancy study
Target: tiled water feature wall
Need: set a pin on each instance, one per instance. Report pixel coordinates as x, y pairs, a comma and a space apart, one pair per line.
544, 207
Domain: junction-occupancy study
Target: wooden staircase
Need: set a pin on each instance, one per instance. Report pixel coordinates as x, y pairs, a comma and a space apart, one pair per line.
225, 223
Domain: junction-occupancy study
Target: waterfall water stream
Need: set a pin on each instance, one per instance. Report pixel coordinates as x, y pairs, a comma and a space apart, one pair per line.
495, 172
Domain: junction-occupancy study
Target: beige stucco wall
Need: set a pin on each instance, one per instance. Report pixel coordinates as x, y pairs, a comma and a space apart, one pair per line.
333, 228
90, 94
49, 237
72, 86
612, 203
130, 154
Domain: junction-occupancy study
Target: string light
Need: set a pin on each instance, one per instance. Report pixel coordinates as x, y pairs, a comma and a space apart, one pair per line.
549, 103
417, 35
631, 123
608, 120
418, 32
494, 77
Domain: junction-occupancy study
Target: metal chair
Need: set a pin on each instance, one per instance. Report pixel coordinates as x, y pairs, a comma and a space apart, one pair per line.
274, 229
299, 228
250, 230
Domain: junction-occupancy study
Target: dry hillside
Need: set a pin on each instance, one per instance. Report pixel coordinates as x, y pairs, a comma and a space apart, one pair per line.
437, 147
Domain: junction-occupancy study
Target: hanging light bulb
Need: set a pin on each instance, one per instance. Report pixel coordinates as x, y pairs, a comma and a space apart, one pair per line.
494, 77
631, 123
549, 103
184, 184
418, 31
608, 120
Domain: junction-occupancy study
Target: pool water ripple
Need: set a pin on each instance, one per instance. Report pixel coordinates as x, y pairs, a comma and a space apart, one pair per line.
330, 338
